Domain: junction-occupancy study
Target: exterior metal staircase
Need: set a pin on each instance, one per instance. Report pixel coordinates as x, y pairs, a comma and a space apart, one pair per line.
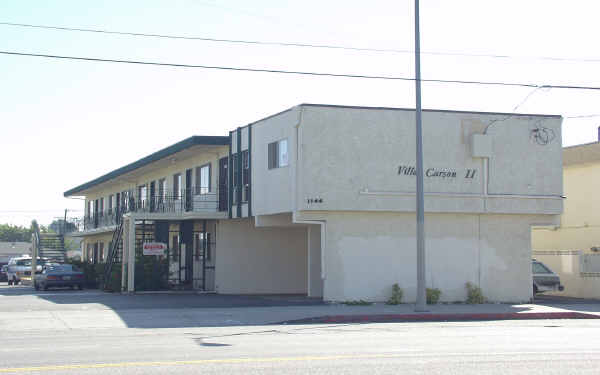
115, 253
52, 247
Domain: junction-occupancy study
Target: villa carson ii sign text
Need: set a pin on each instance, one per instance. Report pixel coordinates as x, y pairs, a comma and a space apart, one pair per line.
408, 170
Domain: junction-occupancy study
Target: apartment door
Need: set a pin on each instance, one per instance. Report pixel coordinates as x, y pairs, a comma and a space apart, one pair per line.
96, 213
152, 195
188, 190
223, 184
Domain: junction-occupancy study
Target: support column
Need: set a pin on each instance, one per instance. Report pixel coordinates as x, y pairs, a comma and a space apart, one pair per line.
131, 256
315, 282
125, 255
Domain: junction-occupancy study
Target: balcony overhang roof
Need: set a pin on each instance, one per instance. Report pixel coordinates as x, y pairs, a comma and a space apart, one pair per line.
166, 152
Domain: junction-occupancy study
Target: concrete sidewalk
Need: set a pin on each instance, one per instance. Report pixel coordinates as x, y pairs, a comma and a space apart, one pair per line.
23, 308
103, 318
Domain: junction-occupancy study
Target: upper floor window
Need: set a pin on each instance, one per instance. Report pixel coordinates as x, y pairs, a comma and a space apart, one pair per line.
142, 195
203, 179
278, 154
110, 203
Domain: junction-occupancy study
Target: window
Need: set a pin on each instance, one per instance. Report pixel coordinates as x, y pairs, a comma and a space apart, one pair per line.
88, 209
245, 175
539, 268
278, 154
177, 186
101, 207
203, 179
142, 196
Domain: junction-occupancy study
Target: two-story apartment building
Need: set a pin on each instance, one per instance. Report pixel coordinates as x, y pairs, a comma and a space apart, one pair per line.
320, 200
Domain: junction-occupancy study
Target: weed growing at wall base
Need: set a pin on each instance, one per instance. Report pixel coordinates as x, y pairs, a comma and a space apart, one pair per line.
474, 294
396, 297
433, 295
357, 303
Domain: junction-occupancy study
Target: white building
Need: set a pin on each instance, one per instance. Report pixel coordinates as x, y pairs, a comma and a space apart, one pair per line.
319, 200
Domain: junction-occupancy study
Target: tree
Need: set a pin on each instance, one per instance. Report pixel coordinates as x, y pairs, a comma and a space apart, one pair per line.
14, 233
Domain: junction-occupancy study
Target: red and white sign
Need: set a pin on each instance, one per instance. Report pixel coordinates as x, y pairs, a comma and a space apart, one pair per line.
154, 248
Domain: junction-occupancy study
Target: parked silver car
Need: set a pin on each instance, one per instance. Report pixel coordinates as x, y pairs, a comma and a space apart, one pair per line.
544, 280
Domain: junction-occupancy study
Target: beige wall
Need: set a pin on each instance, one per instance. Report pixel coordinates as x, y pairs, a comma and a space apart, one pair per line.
579, 227
366, 253
566, 264
93, 239
254, 260
179, 163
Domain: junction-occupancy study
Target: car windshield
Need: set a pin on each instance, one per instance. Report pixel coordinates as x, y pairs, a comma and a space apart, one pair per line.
62, 268
539, 268
27, 262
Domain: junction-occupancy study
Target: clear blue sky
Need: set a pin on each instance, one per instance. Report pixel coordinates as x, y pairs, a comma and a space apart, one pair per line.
66, 122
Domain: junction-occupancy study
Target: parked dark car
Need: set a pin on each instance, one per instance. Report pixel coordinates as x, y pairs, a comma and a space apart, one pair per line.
3, 275
59, 275
544, 280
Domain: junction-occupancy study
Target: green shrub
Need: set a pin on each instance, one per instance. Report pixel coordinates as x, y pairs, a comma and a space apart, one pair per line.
357, 303
474, 294
433, 295
396, 297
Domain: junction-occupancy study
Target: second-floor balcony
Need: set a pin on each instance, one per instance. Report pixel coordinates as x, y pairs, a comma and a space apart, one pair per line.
186, 201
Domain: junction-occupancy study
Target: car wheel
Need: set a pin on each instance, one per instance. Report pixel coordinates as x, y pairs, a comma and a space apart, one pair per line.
45, 287
9, 282
80, 287
36, 286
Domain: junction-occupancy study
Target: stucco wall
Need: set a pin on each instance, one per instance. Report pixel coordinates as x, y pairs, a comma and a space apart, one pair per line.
366, 253
253, 260
356, 159
273, 189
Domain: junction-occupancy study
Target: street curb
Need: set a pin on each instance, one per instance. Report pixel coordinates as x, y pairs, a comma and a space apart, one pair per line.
397, 318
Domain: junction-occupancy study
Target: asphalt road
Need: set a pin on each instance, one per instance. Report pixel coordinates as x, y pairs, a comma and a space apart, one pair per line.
516, 347
506, 347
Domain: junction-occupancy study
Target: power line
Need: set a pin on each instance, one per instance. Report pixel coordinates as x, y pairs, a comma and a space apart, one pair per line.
277, 71
583, 116
302, 45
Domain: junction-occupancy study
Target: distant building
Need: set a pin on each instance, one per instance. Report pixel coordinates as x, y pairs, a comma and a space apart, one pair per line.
13, 249
572, 248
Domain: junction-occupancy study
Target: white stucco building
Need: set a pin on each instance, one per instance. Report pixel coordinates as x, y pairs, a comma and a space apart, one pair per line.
319, 200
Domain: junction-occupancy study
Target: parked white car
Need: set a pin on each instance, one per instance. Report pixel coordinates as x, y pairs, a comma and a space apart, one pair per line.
19, 267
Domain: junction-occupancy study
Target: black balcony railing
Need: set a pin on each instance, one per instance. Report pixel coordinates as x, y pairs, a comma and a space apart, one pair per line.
195, 199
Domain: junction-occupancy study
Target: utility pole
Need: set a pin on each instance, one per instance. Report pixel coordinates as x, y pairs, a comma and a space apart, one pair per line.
421, 304
64, 231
